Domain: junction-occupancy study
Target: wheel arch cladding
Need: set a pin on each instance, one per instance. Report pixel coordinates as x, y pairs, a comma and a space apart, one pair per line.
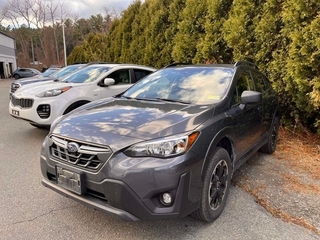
75, 105
223, 141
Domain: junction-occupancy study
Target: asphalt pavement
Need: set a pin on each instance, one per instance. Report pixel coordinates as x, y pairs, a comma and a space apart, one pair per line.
28, 210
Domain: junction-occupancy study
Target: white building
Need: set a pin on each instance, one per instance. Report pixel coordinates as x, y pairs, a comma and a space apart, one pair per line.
8, 61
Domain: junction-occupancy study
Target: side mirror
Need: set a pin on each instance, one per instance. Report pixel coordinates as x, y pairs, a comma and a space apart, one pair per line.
108, 81
250, 97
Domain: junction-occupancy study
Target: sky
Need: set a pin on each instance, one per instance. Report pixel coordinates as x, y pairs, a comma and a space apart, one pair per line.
86, 8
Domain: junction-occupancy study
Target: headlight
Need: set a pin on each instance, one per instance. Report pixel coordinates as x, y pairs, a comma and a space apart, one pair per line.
54, 92
164, 147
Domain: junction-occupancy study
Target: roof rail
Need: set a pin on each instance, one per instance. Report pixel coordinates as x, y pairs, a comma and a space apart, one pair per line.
245, 63
176, 64
98, 62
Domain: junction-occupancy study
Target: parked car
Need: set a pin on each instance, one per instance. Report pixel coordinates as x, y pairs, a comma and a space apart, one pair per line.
41, 103
25, 72
56, 76
168, 146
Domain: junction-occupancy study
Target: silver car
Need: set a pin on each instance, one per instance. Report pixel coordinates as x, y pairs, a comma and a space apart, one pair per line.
25, 72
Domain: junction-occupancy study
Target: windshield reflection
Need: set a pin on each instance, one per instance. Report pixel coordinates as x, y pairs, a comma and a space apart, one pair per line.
87, 74
198, 85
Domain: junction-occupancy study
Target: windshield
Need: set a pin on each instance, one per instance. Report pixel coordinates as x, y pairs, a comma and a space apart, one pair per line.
49, 72
198, 85
87, 74
66, 70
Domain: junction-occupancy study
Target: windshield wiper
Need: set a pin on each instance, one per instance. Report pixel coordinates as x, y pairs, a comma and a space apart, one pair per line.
126, 97
173, 100
157, 99
142, 99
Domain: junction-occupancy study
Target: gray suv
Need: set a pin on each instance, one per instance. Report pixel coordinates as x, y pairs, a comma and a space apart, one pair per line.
168, 146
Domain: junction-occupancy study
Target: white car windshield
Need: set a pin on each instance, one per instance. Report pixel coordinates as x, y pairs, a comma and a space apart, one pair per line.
66, 70
197, 85
87, 74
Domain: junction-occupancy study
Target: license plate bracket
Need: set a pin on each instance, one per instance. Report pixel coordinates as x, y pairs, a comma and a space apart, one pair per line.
70, 180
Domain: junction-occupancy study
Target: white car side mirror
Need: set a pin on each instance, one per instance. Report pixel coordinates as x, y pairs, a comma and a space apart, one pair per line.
108, 81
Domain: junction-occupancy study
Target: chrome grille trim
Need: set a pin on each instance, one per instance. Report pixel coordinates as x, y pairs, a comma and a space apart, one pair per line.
22, 102
88, 156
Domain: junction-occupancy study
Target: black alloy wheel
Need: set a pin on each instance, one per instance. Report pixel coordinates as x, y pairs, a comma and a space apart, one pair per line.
271, 144
216, 185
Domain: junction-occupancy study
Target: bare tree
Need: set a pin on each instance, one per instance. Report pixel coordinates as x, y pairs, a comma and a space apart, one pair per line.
20, 12
2, 15
53, 15
40, 18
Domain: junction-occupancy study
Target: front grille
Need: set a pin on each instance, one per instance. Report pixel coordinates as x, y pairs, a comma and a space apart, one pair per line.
85, 156
14, 87
22, 102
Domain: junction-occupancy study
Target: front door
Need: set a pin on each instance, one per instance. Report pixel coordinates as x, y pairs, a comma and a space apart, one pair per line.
249, 119
122, 80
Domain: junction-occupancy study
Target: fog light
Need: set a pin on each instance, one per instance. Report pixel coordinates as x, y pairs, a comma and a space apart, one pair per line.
166, 199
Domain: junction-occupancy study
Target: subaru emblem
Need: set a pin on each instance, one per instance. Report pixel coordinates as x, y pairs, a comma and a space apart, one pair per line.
72, 147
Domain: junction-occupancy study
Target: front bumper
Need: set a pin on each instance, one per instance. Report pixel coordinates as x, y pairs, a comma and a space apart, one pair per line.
129, 200
90, 201
31, 114
135, 195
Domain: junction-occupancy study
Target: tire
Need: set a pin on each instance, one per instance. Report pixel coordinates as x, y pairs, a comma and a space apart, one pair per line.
39, 126
16, 76
217, 180
271, 144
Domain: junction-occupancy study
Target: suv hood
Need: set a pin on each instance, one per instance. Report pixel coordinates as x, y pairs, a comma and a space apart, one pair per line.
37, 78
128, 121
39, 87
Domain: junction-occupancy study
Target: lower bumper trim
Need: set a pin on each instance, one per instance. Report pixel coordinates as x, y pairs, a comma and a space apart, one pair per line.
89, 203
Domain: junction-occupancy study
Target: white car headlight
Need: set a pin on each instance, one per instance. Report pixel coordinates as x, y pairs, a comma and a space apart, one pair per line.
163, 147
54, 92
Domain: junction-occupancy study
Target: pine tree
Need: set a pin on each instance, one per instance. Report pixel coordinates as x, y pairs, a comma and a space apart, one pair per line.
212, 48
190, 30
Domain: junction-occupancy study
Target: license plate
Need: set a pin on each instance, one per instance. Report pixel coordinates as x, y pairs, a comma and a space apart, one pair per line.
15, 112
69, 180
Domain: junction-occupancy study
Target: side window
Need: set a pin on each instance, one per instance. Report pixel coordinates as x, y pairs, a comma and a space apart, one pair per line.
121, 76
139, 73
22, 70
244, 83
260, 82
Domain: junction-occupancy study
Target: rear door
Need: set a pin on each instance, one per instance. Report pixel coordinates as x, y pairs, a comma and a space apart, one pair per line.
261, 84
139, 74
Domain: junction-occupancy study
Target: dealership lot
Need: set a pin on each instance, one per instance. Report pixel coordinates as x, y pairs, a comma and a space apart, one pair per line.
30, 211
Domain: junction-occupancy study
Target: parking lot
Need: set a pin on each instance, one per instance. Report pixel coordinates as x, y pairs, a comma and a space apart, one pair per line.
30, 211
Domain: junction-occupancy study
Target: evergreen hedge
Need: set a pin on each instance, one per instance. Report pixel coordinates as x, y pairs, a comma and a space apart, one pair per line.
281, 36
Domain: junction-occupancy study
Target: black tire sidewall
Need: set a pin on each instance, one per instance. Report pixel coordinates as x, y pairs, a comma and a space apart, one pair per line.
206, 212
270, 147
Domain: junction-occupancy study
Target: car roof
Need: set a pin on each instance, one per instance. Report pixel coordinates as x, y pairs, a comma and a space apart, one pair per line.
26, 68
237, 64
113, 65
203, 65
